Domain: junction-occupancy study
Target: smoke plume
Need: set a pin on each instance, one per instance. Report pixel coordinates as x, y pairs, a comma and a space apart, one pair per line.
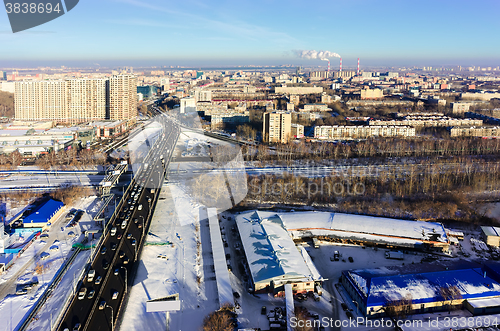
322, 55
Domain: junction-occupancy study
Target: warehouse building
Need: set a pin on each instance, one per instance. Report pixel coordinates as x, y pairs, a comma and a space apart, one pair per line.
367, 230
376, 290
44, 214
272, 256
491, 235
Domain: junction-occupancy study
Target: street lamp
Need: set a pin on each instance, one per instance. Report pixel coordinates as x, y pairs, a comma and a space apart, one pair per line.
357, 307
112, 325
122, 267
143, 227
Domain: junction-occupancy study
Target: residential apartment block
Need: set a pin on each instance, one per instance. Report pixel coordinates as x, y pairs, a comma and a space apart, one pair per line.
475, 131
353, 132
76, 100
277, 127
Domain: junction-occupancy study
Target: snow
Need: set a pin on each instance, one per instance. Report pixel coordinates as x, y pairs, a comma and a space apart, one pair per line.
176, 219
270, 251
221, 273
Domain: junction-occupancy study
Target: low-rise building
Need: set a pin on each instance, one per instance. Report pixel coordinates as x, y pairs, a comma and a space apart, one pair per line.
110, 129
297, 131
475, 131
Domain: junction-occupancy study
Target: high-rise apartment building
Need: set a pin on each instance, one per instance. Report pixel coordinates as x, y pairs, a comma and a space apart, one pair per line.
77, 100
3, 75
277, 127
123, 97
42, 100
88, 99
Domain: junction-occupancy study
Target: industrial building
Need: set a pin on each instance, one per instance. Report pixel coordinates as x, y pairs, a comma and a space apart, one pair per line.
491, 235
43, 215
272, 256
355, 132
424, 291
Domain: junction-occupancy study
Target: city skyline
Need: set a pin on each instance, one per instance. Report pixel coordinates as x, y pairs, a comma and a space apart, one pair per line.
193, 33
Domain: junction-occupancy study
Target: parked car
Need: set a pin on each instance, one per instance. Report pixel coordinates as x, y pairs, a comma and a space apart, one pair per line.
263, 310
113, 231
102, 305
98, 280
351, 259
115, 295
91, 294
236, 295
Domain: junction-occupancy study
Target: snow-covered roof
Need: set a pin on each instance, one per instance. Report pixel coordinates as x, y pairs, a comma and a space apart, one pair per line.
221, 274
361, 224
270, 251
377, 289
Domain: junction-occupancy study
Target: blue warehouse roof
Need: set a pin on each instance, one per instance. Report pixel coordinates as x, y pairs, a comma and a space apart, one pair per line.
377, 288
44, 212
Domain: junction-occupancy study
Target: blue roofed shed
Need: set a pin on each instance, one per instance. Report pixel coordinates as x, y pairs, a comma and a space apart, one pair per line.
43, 214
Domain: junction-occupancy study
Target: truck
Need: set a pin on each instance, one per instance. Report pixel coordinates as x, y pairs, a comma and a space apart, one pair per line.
394, 255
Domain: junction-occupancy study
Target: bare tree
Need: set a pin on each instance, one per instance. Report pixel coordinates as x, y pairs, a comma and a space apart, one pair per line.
220, 320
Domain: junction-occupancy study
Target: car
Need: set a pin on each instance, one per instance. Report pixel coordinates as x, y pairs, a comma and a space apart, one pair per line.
104, 250
135, 220
129, 201
54, 248
129, 235
102, 305
119, 236
91, 294
116, 272
113, 231
139, 225
77, 327
236, 295
344, 306
140, 207
133, 242
44, 255
113, 246
22, 291
82, 293
121, 254
80, 213
90, 276
132, 207
349, 315
105, 265
98, 280
124, 224
263, 310
126, 260
115, 295
45, 235
351, 259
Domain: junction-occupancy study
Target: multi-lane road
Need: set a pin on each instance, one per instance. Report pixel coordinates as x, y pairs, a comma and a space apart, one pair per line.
98, 301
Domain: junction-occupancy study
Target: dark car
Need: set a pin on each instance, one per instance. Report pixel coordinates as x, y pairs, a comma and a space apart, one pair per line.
263, 310
236, 295
104, 250
344, 306
351, 259
121, 254
114, 246
105, 265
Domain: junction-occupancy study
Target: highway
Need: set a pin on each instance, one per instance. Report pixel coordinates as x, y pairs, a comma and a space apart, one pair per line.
124, 237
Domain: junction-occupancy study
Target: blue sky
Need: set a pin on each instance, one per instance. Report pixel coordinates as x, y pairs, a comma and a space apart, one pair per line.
201, 32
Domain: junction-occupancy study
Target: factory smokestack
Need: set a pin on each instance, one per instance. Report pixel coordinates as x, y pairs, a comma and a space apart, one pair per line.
328, 68
358, 67
340, 64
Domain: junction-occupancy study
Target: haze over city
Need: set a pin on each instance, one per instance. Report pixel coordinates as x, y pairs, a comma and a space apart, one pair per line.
195, 33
